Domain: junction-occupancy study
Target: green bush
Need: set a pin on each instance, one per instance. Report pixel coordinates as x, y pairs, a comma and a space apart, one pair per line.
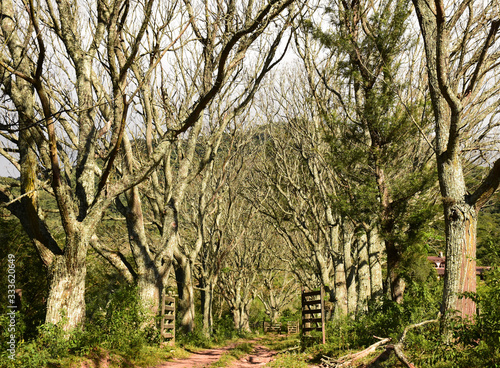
223, 330
488, 301
289, 360
196, 337
386, 318
118, 328
482, 338
476, 344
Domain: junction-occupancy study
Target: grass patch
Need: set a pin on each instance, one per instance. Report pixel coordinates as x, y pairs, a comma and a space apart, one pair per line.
150, 356
280, 342
290, 360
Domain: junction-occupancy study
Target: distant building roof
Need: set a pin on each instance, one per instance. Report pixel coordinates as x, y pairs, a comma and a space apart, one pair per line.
440, 263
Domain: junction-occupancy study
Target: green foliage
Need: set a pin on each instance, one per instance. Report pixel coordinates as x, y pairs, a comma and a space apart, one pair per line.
289, 360
487, 323
488, 300
118, 328
385, 319
475, 344
488, 236
291, 315
223, 330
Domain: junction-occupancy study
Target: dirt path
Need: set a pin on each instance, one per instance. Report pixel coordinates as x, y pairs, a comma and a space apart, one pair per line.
197, 360
258, 358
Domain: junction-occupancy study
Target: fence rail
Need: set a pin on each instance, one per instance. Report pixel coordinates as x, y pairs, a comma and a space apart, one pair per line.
167, 325
313, 312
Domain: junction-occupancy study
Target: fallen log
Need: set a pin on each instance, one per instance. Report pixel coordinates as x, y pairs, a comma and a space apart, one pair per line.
289, 349
398, 348
349, 359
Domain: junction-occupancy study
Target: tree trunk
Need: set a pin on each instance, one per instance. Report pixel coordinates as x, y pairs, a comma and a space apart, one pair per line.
240, 303
66, 299
150, 290
237, 318
340, 290
241, 317
185, 290
466, 306
270, 305
207, 298
150, 279
363, 274
350, 268
208, 320
375, 249
245, 317
396, 283
460, 272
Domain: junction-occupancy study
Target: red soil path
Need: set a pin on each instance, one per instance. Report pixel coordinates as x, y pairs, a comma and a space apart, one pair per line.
258, 358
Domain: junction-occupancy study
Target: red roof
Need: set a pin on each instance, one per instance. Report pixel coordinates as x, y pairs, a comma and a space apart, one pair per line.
440, 262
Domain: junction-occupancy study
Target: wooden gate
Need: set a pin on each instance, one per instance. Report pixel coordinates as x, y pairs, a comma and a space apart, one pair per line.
167, 326
313, 312
292, 327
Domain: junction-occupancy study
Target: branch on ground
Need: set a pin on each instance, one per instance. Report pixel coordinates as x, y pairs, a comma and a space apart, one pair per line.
349, 359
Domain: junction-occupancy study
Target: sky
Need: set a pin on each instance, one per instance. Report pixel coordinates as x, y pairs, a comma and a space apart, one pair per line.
7, 169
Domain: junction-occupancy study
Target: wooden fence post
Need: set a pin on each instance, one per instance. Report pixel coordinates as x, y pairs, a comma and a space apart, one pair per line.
168, 318
311, 308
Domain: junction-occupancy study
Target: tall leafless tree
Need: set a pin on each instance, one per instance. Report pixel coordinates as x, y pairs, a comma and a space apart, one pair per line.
89, 64
461, 45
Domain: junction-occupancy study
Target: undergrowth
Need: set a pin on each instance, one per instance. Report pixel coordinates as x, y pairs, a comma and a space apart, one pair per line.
475, 344
113, 333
